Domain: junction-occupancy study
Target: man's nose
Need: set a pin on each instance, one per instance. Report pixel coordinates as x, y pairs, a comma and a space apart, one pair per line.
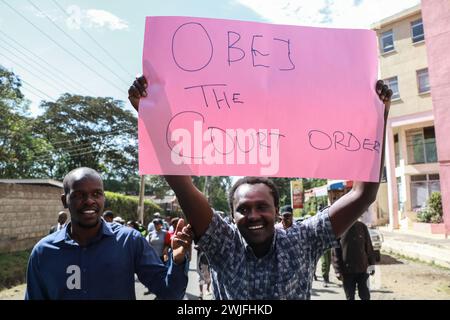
253, 214
89, 199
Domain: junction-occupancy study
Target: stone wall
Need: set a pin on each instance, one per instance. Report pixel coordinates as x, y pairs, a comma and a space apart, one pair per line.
26, 214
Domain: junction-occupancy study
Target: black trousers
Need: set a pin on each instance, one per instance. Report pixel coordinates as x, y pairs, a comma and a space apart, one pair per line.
351, 280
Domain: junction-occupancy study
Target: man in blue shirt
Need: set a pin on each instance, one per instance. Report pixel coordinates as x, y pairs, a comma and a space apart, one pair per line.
251, 259
92, 259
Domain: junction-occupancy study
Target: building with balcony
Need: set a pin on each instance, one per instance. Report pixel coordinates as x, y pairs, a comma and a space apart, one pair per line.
412, 166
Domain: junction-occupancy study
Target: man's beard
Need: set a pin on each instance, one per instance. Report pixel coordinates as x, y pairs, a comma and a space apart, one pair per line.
89, 226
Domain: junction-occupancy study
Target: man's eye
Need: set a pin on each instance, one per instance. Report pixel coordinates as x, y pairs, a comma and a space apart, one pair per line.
98, 194
242, 210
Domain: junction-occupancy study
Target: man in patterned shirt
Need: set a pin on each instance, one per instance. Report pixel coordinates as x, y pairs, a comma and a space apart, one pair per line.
250, 259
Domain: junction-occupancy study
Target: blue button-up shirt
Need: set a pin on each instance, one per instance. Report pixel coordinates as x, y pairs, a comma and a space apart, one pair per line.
285, 272
60, 269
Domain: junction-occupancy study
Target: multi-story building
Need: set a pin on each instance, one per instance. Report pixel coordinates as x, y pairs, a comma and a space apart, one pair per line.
412, 167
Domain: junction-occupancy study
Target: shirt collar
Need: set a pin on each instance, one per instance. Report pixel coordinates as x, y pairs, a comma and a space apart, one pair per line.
63, 234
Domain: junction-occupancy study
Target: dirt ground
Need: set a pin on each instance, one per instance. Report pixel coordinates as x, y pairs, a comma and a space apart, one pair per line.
403, 279
395, 279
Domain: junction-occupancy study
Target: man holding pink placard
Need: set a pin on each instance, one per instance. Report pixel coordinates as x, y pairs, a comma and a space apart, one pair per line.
251, 259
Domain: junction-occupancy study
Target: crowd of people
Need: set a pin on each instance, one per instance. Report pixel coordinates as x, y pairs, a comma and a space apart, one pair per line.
247, 256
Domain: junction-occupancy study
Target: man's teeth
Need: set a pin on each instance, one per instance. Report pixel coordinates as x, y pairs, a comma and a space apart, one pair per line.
255, 227
89, 211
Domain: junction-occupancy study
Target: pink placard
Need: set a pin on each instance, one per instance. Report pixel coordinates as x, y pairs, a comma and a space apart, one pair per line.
239, 98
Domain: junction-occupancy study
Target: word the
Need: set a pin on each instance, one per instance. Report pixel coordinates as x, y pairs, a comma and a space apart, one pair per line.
213, 145
235, 49
320, 140
218, 101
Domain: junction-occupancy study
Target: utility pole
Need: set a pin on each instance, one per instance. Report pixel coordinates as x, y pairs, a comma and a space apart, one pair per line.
141, 200
206, 188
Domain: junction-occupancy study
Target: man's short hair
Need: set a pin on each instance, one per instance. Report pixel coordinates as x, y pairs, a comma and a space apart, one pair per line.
108, 214
68, 178
254, 180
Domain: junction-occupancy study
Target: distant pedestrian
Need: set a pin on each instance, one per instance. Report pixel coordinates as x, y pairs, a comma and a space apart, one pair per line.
286, 218
159, 239
352, 260
151, 226
62, 219
108, 216
203, 272
119, 220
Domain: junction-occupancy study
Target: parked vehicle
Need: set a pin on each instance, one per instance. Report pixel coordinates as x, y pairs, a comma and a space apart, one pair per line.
377, 240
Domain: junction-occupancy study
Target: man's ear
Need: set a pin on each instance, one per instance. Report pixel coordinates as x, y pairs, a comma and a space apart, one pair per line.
63, 200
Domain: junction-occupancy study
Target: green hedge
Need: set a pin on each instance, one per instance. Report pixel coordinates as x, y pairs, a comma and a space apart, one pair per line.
126, 206
13, 268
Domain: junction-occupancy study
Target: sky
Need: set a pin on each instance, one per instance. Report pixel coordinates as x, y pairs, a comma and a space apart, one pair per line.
95, 47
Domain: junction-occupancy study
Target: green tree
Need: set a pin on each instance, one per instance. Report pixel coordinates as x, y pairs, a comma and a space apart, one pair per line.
432, 213
217, 190
93, 132
18, 146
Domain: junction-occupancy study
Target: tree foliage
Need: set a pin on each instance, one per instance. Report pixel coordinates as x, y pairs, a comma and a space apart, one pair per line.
18, 146
91, 132
432, 213
73, 131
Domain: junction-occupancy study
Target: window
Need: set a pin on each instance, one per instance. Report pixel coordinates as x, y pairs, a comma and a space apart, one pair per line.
401, 200
422, 80
396, 150
421, 188
387, 41
421, 145
417, 31
392, 83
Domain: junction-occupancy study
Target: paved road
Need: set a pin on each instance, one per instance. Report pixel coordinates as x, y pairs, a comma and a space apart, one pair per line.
319, 292
192, 291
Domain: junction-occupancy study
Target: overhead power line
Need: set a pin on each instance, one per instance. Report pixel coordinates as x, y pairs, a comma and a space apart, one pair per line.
57, 73
95, 41
30, 85
60, 46
59, 87
76, 42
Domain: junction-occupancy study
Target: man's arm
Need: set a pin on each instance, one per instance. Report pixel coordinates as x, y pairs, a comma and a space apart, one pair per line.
194, 204
345, 211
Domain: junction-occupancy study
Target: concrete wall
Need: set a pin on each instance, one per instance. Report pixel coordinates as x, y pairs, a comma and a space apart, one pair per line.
436, 17
26, 214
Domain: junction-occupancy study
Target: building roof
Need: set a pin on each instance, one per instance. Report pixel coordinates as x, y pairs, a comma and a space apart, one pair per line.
396, 17
50, 182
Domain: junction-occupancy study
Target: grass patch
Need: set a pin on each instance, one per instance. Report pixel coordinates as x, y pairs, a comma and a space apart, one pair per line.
401, 256
13, 268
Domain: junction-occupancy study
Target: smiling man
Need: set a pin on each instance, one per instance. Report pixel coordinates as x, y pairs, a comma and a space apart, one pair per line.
92, 259
252, 259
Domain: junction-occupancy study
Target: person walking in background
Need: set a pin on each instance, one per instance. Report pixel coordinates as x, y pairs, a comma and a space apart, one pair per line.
151, 225
325, 264
62, 218
108, 216
203, 272
159, 239
286, 218
352, 260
